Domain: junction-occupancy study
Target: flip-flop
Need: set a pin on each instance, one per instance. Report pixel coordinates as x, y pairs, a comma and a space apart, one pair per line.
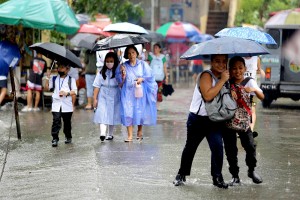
88, 108
139, 138
128, 140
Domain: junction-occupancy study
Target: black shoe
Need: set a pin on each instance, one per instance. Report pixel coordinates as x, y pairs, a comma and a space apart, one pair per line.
219, 182
68, 140
234, 181
102, 138
179, 180
255, 134
255, 177
54, 142
110, 137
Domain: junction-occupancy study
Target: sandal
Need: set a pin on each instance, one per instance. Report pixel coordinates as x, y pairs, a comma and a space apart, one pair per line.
139, 138
128, 140
88, 108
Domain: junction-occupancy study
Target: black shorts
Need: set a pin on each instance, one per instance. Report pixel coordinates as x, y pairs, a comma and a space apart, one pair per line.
3, 83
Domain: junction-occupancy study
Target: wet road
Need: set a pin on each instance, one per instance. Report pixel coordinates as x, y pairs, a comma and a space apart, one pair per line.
89, 169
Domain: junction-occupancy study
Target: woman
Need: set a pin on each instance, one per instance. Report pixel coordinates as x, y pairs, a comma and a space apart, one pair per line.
107, 97
158, 64
136, 111
200, 126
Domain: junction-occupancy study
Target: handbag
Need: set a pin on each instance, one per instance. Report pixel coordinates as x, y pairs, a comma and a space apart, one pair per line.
167, 89
242, 116
138, 90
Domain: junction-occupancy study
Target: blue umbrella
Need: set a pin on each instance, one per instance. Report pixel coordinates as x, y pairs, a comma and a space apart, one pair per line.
201, 38
225, 45
247, 33
8, 52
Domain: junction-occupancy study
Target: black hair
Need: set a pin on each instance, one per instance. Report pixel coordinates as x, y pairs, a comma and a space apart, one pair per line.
116, 63
127, 49
212, 57
157, 44
234, 59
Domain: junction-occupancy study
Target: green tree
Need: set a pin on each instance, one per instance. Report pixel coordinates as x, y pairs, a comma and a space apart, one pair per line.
117, 10
257, 12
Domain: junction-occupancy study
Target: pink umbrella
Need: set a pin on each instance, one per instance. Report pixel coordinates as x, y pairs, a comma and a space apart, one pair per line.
285, 18
90, 28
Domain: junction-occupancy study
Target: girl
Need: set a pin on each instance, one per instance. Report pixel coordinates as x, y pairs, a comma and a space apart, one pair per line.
107, 97
237, 70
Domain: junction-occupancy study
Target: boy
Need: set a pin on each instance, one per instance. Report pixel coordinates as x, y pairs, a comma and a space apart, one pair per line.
64, 88
237, 69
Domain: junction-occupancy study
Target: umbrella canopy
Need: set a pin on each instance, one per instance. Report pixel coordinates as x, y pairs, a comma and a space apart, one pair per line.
119, 40
153, 36
285, 18
58, 53
201, 38
178, 31
90, 28
41, 14
225, 45
125, 27
84, 40
247, 33
83, 18
8, 52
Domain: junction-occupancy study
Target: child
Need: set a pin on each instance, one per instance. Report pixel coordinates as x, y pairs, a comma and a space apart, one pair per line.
237, 69
107, 97
64, 88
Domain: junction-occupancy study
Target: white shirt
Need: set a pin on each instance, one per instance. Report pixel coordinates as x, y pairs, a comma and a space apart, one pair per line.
251, 65
252, 83
197, 105
65, 103
100, 57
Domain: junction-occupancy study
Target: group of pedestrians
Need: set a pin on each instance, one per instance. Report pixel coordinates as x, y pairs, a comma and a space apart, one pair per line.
199, 126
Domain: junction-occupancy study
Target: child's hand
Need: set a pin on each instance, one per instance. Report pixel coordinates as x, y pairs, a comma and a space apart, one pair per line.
249, 89
95, 103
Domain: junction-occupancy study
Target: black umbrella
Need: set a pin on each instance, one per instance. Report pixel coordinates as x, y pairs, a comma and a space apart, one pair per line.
58, 53
119, 40
153, 36
84, 40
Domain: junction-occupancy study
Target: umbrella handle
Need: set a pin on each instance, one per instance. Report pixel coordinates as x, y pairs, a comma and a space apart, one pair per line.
54, 62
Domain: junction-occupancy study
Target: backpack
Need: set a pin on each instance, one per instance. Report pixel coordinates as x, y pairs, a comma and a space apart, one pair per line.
242, 117
53, 81
223, 106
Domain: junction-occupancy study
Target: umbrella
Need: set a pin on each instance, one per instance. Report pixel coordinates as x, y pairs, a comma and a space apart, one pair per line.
41, 14
8, 52
285, 18
225, 45
201, 38
84, 40
125, 27
247, 33
178, 31
153, 36
119, 40
90, 28
58, 53
82, 18
9, 57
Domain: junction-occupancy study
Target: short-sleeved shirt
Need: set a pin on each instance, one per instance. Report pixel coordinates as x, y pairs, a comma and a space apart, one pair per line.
38, 68
157, 65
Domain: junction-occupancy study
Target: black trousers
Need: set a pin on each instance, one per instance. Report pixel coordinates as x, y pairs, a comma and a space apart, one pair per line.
199, 127
231, 150
56, 124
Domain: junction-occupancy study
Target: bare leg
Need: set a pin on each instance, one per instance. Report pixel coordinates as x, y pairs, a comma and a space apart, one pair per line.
129, 132
140, 131
2, 94
37, 99
89, 103
29, 98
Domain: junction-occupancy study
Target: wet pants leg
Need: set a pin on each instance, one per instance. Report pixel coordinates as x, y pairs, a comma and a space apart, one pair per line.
56, 124
231, 151
196, 130
247, 142
215, 141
